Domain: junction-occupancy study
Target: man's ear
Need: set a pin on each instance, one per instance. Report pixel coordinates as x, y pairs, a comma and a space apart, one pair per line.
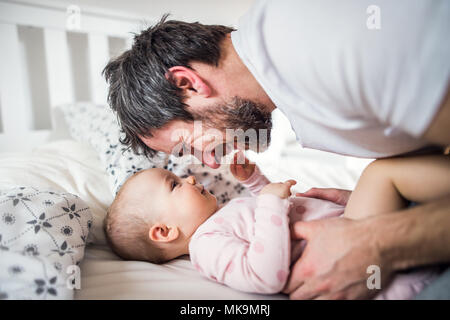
189, 81
159, 232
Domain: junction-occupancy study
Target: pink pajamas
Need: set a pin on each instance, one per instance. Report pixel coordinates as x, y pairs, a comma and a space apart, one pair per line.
246, 244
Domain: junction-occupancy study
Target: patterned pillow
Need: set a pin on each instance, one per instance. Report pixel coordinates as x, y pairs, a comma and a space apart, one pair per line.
43, 234
97, 125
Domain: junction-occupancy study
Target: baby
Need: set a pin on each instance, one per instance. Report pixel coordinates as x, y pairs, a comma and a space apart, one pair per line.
245, 244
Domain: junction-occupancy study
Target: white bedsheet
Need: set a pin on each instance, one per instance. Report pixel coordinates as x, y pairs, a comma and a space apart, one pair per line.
73, 167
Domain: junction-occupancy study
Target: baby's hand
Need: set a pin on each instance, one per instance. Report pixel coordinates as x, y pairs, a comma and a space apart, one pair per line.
280, 189
241, 168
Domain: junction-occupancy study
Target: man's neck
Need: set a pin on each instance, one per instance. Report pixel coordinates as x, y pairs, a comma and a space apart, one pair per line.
234, 70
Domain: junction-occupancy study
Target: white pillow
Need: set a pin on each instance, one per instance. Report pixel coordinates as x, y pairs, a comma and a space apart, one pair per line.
67, 166
97, 126
43, 234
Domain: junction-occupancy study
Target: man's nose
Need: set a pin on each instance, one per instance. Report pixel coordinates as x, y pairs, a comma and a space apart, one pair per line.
191, 180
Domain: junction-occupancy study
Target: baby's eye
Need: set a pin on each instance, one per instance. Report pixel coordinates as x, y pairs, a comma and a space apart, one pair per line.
174, 184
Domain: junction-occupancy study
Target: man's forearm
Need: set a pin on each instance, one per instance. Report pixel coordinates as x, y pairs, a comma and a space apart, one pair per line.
414, 237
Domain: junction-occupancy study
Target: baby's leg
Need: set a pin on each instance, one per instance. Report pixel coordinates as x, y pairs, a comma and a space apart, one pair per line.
385, 184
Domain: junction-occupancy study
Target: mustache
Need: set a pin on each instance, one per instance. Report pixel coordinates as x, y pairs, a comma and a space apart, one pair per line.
238, 113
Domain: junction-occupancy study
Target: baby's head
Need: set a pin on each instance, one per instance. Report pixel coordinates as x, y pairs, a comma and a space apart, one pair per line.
155, 214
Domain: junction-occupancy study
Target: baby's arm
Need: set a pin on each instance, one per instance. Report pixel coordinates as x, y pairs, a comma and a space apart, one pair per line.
256, 182
260, 265
248, 174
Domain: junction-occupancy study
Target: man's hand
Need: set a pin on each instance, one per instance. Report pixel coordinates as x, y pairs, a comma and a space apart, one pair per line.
241, 168
338, 196
335, 260
280, 189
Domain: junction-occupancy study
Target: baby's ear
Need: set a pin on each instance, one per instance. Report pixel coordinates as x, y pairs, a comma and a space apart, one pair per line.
159, 232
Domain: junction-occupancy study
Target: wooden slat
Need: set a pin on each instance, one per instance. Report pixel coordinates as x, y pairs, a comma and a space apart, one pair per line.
98, 58
58, 67
16, 112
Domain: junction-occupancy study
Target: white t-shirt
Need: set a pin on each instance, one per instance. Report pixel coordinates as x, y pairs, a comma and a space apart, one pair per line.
344, 87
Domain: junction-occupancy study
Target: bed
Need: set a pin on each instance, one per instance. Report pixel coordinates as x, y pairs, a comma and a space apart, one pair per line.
75, 153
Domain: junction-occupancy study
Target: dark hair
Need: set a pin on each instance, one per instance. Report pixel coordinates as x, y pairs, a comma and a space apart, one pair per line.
139, 92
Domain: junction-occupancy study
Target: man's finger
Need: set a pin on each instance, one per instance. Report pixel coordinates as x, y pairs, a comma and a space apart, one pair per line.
304, 292
312, 193
293, 283
331, 296
302, 229
296, 278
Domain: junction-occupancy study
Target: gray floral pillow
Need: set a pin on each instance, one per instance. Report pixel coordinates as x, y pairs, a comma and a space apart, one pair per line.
97, 126
43, 234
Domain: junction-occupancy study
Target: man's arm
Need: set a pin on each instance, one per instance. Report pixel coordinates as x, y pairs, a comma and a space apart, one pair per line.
417, 236
334, 263
439, 130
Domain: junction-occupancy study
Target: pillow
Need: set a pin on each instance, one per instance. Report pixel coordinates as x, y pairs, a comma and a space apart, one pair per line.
97, 126
67, 166
43, 234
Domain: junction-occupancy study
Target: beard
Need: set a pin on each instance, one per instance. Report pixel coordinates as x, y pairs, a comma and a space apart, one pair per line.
250, 122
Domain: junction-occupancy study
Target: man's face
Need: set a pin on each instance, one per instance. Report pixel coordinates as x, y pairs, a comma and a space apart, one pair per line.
239, 124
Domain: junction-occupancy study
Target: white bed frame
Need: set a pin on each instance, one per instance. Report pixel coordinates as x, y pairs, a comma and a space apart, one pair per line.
17, 112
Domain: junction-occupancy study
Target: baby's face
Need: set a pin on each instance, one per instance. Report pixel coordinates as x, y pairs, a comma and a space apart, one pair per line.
177, 202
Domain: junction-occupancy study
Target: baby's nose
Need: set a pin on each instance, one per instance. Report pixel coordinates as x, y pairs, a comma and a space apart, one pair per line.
191, 180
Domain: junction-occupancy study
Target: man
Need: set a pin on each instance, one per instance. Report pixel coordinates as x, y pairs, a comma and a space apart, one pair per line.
345, 87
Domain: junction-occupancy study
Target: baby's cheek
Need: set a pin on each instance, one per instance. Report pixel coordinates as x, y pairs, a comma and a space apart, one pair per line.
187, 203
192, 197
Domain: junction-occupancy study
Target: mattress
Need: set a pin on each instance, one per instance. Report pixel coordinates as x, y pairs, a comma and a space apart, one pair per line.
73, 167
